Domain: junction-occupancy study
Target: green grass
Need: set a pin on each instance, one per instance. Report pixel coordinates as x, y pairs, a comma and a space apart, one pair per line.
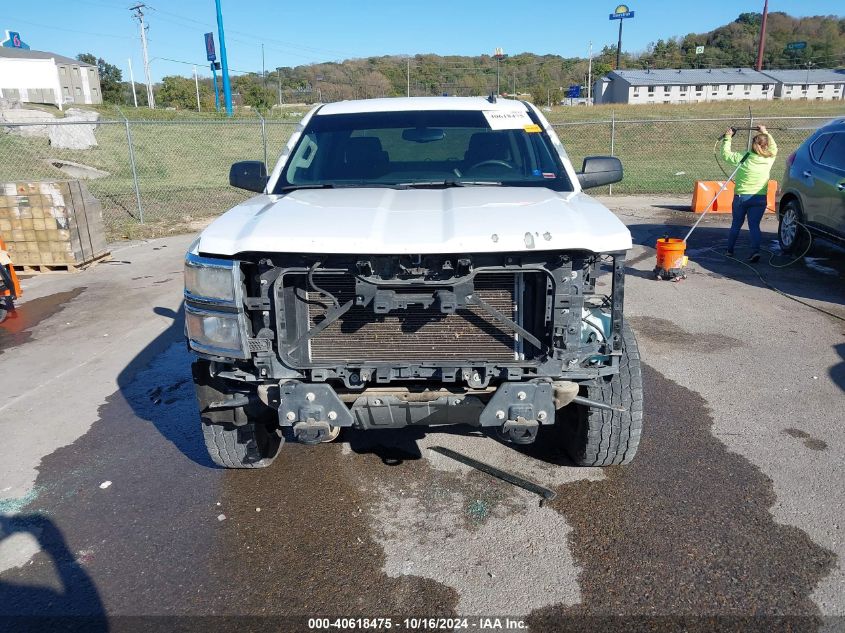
183, 158
182, 168
727, 109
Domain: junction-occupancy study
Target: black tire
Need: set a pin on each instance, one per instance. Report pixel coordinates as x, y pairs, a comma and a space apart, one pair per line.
792, 235
595, 437
241, 437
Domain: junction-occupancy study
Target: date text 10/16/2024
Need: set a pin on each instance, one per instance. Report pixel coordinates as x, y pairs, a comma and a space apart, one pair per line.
418, 624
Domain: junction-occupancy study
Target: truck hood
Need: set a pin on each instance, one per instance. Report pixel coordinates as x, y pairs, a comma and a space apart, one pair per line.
376, 221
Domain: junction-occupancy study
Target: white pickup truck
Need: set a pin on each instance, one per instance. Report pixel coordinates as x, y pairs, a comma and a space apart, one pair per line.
418, 261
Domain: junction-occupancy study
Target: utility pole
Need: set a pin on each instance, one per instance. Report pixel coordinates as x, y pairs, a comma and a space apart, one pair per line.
216, 89
224, 62
279, 79
139, 15
499, 56
132, 81
590, 73
197, 84
409, 76
263, 72
762, 45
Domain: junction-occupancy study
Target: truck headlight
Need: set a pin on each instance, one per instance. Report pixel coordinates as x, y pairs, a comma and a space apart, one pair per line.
210, 280
218, 333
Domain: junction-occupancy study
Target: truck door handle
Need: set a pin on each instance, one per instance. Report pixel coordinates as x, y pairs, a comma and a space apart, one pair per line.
806, 174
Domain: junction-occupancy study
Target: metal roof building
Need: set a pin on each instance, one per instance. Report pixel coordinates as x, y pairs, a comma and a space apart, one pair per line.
683, 85
821, 84
44, 77
717, 84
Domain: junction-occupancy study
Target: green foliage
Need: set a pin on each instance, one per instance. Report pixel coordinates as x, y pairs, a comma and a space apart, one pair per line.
178, 92
735, 44
110, 77
253, 92
541, 78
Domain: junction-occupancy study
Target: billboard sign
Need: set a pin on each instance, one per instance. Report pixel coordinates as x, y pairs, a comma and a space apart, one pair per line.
13, 40
574, 92
210, 52
796, 46
699, 50
621, 12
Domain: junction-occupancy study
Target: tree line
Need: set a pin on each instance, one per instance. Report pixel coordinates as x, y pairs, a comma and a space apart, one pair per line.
541, 78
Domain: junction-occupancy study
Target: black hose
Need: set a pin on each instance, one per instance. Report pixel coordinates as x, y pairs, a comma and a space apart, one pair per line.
317, 288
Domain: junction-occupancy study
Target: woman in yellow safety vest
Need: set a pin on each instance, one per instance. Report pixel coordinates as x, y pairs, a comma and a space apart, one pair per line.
751, 185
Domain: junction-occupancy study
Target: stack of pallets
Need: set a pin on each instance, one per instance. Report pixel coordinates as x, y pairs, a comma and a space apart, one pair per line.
54, 226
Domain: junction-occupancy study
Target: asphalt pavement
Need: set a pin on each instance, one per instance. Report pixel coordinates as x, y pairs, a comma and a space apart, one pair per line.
730, 518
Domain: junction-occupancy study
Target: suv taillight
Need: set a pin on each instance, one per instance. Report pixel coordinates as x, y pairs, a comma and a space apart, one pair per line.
790, 160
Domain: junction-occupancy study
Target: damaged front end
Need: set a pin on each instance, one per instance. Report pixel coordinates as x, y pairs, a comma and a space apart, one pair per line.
497, 340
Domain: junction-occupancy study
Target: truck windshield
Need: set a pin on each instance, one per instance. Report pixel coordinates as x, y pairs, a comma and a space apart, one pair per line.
423, 149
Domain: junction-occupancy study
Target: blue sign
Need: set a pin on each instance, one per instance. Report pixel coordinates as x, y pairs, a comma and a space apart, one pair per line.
13, 40
574, 92
796, 46
210, 52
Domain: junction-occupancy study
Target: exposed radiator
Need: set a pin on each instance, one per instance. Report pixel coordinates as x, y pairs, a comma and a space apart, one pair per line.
414, 334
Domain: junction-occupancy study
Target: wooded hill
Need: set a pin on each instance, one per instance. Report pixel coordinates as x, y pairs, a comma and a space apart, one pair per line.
541, 78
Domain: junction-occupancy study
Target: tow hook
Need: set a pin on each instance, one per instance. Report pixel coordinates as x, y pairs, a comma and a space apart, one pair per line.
520, 431
312, 432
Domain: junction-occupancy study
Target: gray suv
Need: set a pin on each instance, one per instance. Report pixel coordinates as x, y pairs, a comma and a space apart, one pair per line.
813, 192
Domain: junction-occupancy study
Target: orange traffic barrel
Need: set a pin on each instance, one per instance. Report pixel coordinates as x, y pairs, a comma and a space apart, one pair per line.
671, 260
704, 191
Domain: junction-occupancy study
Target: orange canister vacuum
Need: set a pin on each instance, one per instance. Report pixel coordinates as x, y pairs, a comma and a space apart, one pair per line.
671, 261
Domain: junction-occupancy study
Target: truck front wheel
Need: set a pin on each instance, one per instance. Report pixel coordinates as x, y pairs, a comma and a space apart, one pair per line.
239, 437
597, 437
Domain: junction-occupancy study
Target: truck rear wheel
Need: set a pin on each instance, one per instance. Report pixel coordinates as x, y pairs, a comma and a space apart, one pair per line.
596, 437
240, 437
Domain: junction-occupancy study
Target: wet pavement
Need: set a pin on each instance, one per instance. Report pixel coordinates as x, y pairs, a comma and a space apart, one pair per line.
729, 518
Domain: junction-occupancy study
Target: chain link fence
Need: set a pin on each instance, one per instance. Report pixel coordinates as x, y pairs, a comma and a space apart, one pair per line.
667, 156
155, 177
151, 177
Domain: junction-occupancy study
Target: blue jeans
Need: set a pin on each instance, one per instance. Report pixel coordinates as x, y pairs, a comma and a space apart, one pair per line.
752, 206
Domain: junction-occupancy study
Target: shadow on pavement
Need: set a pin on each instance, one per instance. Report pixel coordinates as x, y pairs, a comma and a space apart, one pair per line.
162, 392
74, 606
837, 372
818, 276
395, 446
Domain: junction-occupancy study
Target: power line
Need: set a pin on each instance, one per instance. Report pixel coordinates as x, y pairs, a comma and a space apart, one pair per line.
58, 28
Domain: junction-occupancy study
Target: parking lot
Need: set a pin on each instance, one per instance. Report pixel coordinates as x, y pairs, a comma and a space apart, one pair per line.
730, 518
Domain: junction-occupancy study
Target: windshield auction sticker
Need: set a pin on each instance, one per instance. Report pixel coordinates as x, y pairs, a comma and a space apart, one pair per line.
507, 120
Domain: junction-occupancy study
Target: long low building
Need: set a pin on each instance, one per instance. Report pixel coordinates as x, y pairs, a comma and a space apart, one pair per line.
717, 84
821, 84
41, 77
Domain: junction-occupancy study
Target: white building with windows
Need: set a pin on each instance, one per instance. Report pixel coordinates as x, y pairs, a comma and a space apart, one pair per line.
40, 77
684, 86
813, 85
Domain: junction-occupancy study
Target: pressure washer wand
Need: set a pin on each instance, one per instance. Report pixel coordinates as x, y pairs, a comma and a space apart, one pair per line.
709, 206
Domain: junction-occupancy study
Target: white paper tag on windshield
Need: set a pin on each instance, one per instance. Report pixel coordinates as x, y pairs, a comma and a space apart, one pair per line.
507, 119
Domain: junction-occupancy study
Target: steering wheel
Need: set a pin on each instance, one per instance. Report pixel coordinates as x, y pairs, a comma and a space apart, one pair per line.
484, 163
